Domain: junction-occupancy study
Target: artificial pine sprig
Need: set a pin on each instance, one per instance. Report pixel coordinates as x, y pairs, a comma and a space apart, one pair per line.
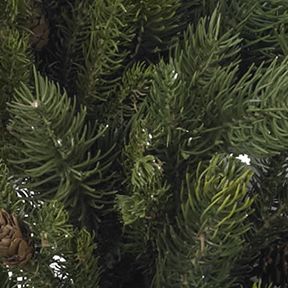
52, 143
53, 241
200, 247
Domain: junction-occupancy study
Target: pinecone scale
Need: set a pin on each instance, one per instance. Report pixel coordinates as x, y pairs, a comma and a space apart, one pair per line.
14, 248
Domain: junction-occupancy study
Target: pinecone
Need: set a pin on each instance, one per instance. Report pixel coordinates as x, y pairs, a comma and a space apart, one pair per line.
39, 26
14, 248
40, 33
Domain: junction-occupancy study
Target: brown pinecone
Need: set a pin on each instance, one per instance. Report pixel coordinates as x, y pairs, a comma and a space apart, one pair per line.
14, 248
39, 26
40, 33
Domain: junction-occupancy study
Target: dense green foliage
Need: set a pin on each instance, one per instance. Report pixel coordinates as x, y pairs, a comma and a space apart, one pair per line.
120, 126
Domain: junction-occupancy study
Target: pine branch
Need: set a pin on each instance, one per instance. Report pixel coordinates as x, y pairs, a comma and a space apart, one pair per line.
268, 236
15, 64
135, 87
261, 131
86, 272
8, 197
53, 147
190, 100
145, 203
15, 13
5, 281
156, 25
215, 98
262, 28
55, 244
15, 57
89, 56
258, 284
207, 238
261, 24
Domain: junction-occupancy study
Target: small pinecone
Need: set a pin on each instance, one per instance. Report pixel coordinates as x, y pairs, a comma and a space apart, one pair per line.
40, 33
39, 27
14, 248
274, 265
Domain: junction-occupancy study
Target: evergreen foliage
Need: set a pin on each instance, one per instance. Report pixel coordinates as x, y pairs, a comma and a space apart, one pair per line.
120, 125
65, 254
64, 166
214, 206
